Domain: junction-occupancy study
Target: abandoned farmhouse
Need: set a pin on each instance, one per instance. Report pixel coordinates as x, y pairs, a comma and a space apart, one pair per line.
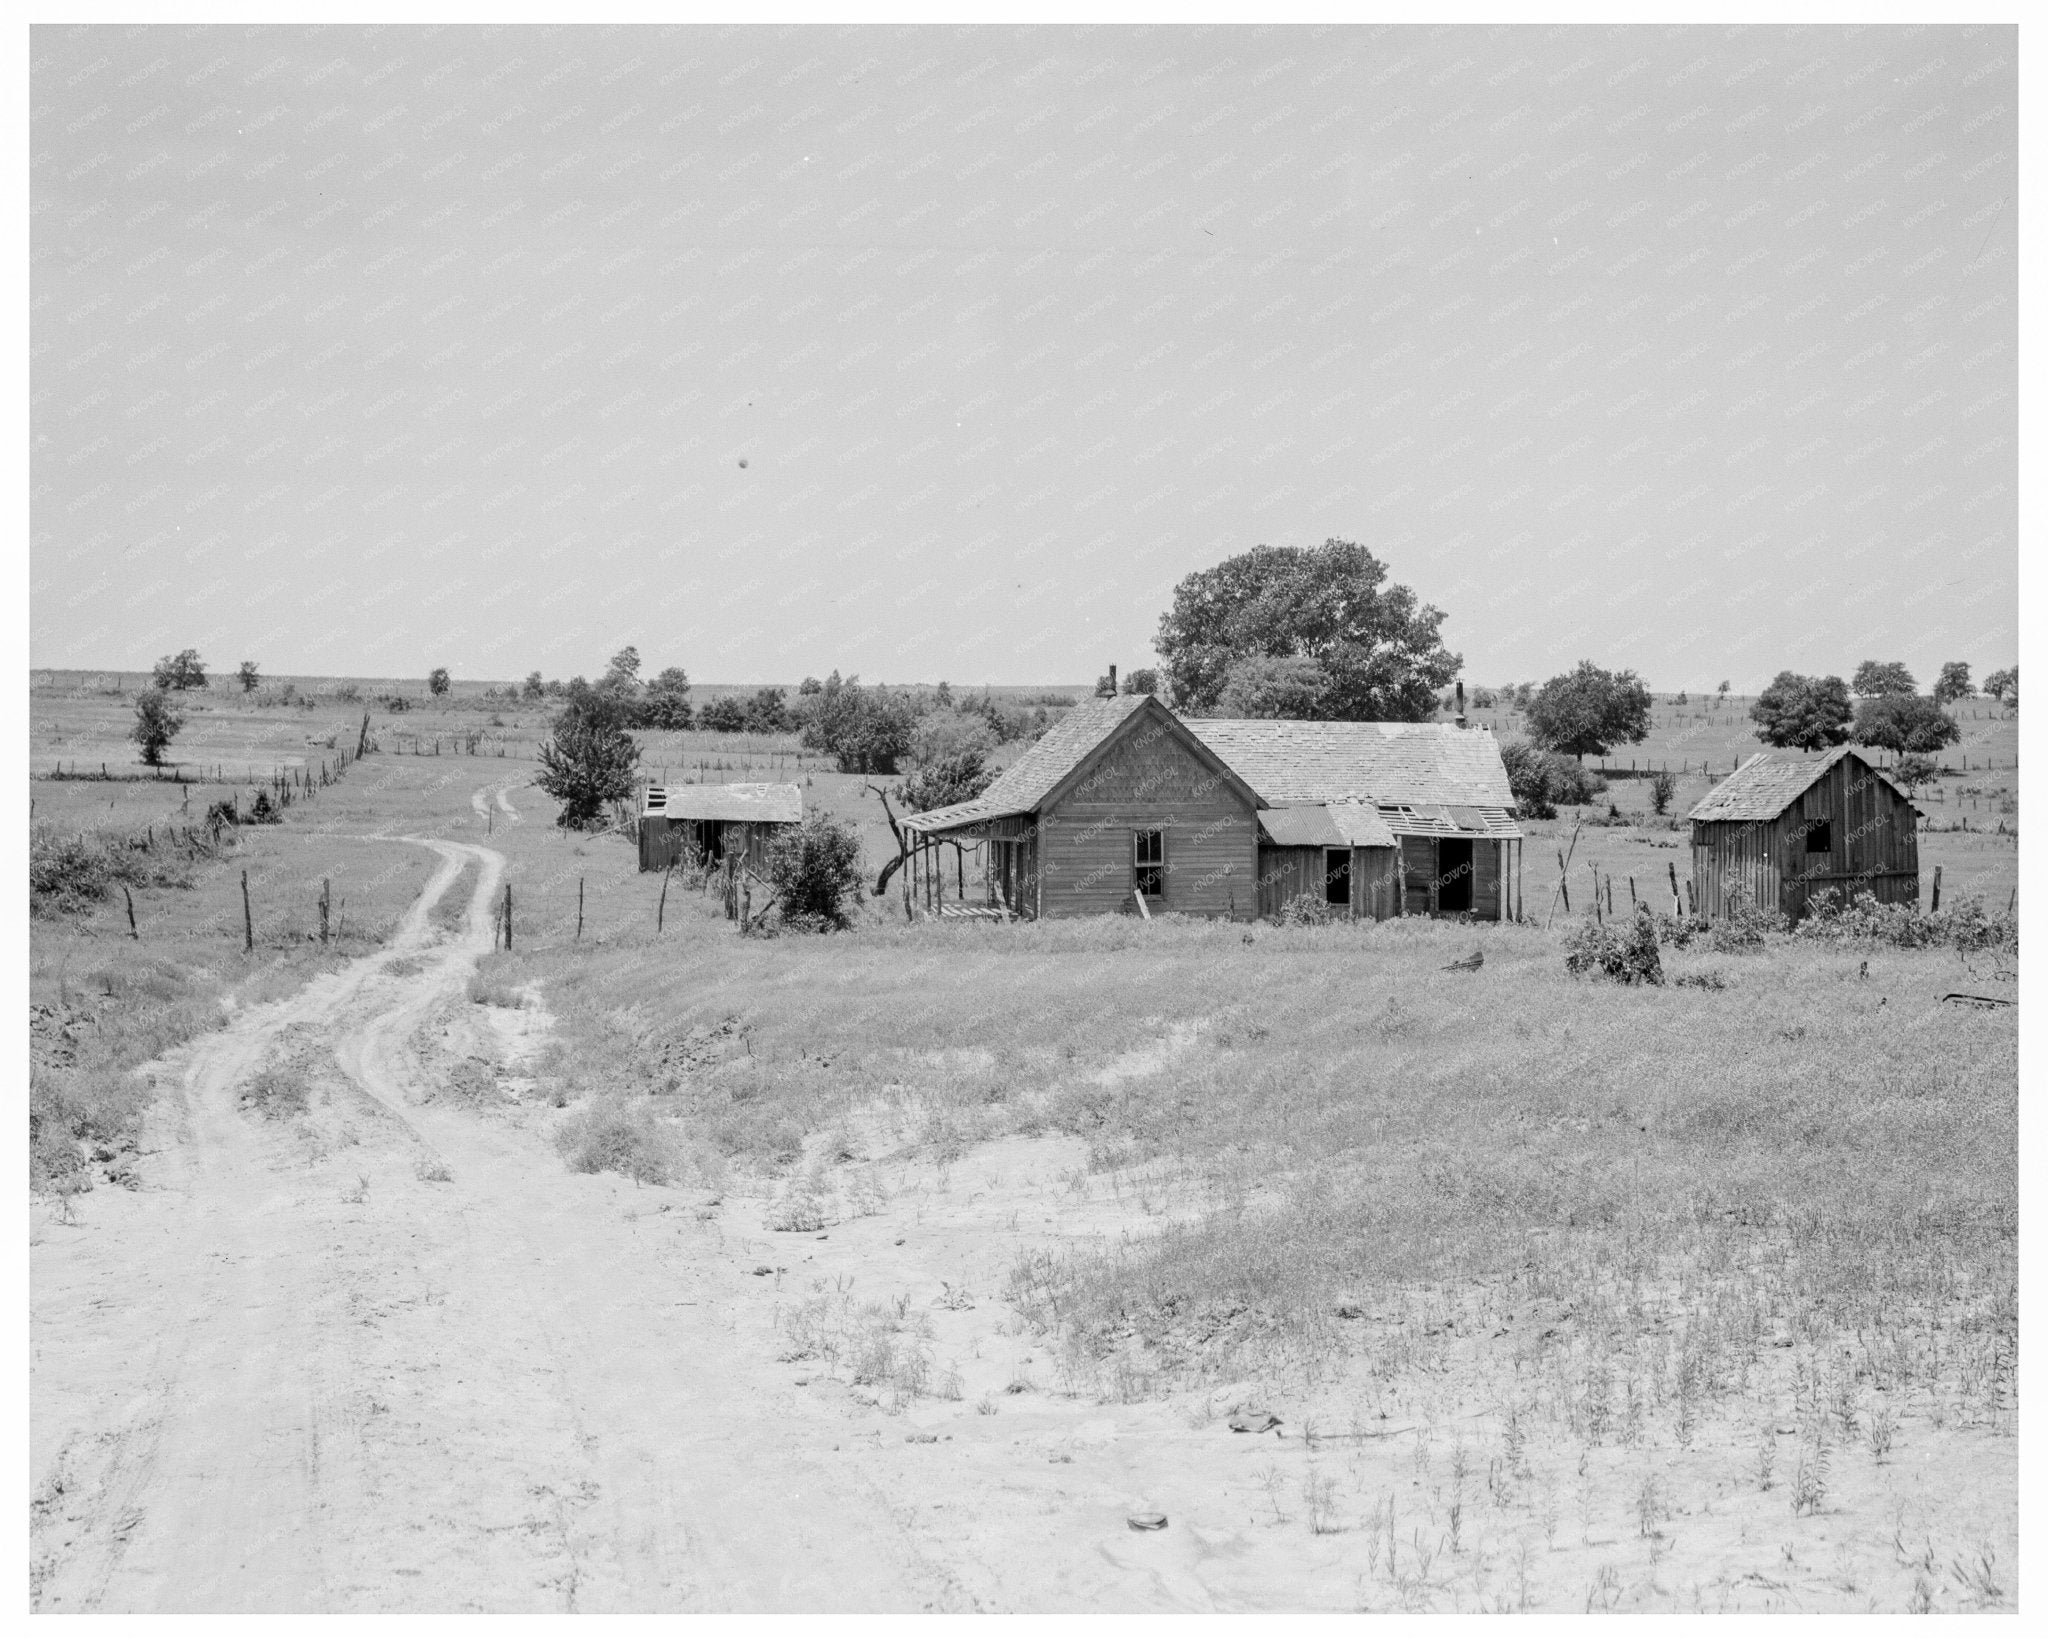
1125, 805
1783, 828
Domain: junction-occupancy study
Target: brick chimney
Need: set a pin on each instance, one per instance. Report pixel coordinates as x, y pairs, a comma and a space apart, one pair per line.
1461, 702
1112, 680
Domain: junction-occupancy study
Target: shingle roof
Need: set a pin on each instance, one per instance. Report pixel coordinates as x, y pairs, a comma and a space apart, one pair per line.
1386, 763
1770, 782
762, 804
1317, 824
1023, 785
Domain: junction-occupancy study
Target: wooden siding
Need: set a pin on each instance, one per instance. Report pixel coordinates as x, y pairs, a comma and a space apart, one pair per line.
1149, 780
1873, 846
665, 841
1423, 877
1285, 872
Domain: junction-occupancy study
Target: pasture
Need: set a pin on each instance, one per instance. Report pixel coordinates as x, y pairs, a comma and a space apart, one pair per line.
1569, 1295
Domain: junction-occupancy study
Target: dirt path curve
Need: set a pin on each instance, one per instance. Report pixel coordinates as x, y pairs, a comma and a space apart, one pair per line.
421, 1366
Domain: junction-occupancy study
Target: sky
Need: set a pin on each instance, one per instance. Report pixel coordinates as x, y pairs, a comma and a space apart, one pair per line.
929, 353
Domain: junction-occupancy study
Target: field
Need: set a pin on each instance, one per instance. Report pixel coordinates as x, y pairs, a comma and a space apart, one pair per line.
976, 1238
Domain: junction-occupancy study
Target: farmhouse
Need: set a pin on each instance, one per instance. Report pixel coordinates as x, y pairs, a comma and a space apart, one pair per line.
1124, 805
714, 822
1784, 827
1439, 791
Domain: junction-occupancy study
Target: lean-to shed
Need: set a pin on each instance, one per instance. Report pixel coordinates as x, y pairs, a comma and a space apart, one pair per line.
1783, 827
713, 822
1440, 791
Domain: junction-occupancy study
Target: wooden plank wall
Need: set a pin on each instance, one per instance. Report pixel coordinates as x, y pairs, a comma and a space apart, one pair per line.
1874, 845
1375, 883
1150, 781
1422, 875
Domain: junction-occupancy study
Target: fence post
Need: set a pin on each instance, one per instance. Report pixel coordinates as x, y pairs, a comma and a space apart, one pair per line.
579, 907
323, 909
248, 921
660, 908
132, 933
1677, 906
1936, 904
508, 917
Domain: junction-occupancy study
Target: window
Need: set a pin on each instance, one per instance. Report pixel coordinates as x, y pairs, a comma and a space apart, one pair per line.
1820, 836
1148, 862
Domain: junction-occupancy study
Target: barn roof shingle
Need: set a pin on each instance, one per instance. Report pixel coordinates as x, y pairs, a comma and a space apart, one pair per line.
1769, 783
758, 803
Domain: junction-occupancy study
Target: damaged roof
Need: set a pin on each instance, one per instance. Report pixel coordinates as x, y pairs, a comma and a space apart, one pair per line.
757, 804
1769, 783
1319, 824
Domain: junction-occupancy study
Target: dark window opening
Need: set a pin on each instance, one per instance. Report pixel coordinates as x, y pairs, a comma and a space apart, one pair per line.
1820, 836
1454, 876
1148, 863
1337, 875
710, 841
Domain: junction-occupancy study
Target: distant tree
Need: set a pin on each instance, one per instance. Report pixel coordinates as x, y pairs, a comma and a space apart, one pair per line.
1878, 677
1542, 780
959, 776
1105, 685
1380, 651
157, 721
809, 686
767, 711
533, 688
1275, 686
589, 760
1663, 787
2004, 686
943, 694
1590, 710
1524, 694
666, 703
725, 715
437, 681
247, 674
1803, 713
866, 730
1144, 680
1681, 698
1904, 724
622, 676
1954, 683
1484, 699
180, 671
814, 868
1915, 771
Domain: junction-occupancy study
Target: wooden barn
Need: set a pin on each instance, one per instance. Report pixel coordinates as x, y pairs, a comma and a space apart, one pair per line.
1116, 806
1440, 791
1784, 827
710, 823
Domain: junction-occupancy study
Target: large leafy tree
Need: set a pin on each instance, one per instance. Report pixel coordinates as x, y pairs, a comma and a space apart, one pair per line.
590, 760
2004, 686
157, 720
1590, 710
1877, 677
866, 729
1266, 685
666, 703
1904, 724
1803, 713
622, 676
1954, 683
181, 670
1379, 652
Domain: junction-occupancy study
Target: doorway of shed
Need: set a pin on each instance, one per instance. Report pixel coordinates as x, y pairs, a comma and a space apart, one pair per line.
710, 841
1337, 875
1454, 875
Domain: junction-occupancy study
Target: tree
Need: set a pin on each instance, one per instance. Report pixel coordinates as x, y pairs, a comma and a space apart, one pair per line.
809, 686
1379, 649
1105, 686
725, 715
1904, 724
666, 703
2004, 686
1878, 677
1590, 710
959, 776
1915, 771
1285, 686
1541, 780
437, 681
1954, 683
157, 721
1803, 713
1722, 690
1663, 787
182, 670
1484, 699
943, 694
533, 688
1144, 680
767, 711
814, 868
622, 676
590, 759
866, 729
249, 676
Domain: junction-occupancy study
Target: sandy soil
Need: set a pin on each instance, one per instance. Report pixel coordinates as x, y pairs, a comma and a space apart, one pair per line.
386, 1352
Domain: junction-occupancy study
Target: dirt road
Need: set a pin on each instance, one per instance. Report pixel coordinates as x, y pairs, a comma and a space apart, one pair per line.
394, 1356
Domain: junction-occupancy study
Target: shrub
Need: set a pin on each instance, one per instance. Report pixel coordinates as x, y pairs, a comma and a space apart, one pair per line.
69, 873
76, 1116
263, 811
1663, 787
1963, 925
615, 1135
248, 676
590, 759
1627, 958
958, 777
1745, 924
815, 870
1543, 780
157, 721
1306, 910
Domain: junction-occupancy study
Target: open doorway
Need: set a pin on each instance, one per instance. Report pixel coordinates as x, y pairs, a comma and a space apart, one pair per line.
1337, 876
710, 840
1454, 875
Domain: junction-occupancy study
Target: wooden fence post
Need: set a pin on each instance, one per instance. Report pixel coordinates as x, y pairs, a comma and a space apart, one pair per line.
508, 917
1677, 908
324, 893
248, 921
132, 933
660, 908
1936, 904
579, 908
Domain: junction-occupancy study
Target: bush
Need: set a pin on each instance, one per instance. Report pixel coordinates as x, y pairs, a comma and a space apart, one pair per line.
815, 870
867, 730
1627, 958
1745, 924
1306, 910
70, 873
1964, 925
1663, 787
959, 777
725, 715
437, 681
77, 1116
1543, 780
615, 1135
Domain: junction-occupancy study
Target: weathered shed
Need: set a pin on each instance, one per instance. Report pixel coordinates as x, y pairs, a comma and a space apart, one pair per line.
1441, 791
1784, 827
711, 822
1340, 853
1117, 804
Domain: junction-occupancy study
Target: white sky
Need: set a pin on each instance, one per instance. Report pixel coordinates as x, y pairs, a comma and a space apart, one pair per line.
370, 350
